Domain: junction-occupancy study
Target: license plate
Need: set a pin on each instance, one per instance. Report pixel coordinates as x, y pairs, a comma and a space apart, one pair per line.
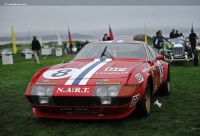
74, 109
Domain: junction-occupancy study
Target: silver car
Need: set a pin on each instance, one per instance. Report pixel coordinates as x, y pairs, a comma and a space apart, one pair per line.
177, 50
26, 51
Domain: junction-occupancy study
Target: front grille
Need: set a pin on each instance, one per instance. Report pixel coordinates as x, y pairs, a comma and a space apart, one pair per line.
72, 101
178, 51
79, 101
87, 101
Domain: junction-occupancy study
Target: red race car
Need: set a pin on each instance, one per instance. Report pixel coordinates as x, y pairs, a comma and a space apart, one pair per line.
106, 80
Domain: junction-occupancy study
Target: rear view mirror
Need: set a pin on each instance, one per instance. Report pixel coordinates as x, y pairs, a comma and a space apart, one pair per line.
159, 57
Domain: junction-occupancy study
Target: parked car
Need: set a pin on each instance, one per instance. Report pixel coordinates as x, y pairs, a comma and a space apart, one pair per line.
177, 50
106, 80
26, 50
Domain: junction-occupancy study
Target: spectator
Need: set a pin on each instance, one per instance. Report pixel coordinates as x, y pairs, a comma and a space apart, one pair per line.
36, 47
172, 34
181, 36
70, 48
86, 42
158, 41
66, 47
176, 35
106, 37
192, 38
78, 45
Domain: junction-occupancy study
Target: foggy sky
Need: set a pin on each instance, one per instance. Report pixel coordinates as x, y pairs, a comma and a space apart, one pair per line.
94, 20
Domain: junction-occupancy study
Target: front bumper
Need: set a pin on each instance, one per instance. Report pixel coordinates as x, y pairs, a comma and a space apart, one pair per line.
86, 107
85, 113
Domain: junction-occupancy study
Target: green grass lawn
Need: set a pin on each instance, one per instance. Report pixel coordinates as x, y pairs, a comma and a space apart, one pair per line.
178, 116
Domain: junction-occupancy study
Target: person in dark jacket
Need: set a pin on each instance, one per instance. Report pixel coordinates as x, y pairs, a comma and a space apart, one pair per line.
176, 35
78, 45
192, 38
158, 41
70, 48
36, 47
172, 34
181, 36
106, 37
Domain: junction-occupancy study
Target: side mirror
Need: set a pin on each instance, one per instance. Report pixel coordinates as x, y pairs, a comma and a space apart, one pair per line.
159, 57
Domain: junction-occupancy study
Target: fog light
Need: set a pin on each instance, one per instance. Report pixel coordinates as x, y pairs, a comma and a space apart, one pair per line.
43, 100
105, 100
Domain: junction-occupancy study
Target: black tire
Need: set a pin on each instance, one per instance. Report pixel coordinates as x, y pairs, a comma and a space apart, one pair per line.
195, 61
144, 105
189, 51
166, 87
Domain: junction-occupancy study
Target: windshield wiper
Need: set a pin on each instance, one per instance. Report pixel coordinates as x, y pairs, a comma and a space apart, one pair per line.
106, 54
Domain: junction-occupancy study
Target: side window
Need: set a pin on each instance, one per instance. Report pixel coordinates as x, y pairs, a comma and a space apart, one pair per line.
152, 53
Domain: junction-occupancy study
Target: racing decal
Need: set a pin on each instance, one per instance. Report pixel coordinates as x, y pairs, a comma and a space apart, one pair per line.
111, 73
46, 82
102, 80
59, 73
86, 72
160, 67
139, 77
151, 71
134, 100
146, 69
73, 90
107, 83
115, 69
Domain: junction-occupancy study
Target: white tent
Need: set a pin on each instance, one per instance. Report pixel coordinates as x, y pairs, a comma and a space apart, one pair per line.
59, 41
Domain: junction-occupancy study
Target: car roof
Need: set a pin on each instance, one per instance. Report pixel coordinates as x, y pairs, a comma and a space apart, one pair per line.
119, 41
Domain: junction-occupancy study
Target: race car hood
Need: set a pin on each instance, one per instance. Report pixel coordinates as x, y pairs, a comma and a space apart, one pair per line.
86, 72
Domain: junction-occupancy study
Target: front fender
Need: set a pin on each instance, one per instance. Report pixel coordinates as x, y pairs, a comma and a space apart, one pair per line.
143, 82
37, 74
165, 71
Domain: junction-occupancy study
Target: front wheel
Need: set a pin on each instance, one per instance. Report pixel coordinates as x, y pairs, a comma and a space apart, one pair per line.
195, 61
144, 105
189, 51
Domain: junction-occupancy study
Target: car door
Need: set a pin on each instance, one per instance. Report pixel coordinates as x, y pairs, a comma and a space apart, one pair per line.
157, 68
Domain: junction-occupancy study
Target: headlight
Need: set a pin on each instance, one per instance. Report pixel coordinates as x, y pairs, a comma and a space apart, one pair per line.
42, 94
113, 91
42, 90
49, 91
103, 91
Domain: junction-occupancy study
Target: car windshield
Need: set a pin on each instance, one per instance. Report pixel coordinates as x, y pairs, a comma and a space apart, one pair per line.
177, 41
119, 50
